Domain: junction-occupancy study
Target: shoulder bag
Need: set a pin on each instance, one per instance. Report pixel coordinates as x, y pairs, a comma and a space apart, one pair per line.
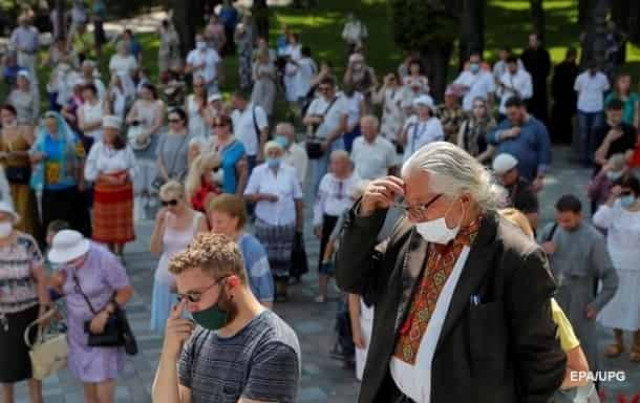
159, 180
117, 331
314, 144
50, 351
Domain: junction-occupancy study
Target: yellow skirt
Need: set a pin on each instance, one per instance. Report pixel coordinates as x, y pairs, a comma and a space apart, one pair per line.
25, 202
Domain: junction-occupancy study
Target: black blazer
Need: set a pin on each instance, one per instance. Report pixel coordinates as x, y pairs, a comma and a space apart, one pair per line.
503, 350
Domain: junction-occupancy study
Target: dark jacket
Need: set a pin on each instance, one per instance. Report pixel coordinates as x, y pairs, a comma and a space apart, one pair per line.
503, 350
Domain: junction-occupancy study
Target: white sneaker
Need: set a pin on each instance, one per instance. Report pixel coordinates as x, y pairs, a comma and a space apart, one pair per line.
320, 299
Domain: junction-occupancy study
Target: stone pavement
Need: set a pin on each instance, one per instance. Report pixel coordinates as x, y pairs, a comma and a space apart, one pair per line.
323, 379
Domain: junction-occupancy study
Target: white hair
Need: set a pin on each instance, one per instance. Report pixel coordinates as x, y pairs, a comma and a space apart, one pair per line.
371, 118
454, 172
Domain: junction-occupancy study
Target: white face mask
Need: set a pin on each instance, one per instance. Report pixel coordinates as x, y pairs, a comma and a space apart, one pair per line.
201, 45
6, 228
436, 231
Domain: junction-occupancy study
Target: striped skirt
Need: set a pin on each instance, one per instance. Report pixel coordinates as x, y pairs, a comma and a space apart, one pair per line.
113, 213
278, 242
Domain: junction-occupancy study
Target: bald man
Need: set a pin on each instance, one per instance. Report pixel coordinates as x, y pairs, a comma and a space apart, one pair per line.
373, 155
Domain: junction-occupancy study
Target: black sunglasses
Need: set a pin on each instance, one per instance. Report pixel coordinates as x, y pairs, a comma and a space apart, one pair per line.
175, 120
169, 203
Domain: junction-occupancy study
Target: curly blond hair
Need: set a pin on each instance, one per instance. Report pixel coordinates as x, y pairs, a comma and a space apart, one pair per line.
214, 254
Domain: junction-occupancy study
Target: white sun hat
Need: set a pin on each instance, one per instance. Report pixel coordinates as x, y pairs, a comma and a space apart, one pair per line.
424, 100
6, 207
68, 245
503, 163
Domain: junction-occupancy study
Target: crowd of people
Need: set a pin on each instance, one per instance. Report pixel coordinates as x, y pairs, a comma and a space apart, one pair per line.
225, 184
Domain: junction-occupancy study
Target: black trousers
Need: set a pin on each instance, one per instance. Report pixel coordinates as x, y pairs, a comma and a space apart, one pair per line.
328, 224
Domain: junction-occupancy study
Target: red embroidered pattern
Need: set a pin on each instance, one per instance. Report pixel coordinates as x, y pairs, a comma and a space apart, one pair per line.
440, 263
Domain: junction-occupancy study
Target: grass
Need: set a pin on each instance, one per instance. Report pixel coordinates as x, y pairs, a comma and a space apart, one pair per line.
507, 23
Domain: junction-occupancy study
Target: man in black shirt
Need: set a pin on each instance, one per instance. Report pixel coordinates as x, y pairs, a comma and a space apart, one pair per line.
520, 194
615, 137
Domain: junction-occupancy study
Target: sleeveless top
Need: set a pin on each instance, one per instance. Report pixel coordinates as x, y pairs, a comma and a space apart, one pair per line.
175, 241
17, 144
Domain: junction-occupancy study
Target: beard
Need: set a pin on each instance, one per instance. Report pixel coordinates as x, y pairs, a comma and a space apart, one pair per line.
227, 305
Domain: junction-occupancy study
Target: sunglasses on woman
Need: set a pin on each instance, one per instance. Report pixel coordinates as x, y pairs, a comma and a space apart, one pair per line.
171, 203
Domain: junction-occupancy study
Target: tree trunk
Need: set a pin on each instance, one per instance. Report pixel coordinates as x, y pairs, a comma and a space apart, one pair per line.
594, 43
537, 17
471, 30
436, 59
60, 16
183, 13
261, 18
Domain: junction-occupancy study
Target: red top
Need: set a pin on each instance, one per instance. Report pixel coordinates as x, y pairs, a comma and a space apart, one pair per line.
198, 199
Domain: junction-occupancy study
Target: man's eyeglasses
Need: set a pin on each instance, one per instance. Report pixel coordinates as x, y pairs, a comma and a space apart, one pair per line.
174, 121
172, 203
195, 296
324, 89
417, 211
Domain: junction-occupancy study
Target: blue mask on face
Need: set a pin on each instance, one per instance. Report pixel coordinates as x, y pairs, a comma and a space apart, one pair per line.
627, 201
474, 68
282, 140
273, 163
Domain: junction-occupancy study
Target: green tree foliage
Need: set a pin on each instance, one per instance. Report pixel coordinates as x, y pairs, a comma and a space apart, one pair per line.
422, 23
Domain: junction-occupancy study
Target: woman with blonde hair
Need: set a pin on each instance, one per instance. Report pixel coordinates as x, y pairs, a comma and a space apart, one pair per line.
202, 183
176, 226
576, 360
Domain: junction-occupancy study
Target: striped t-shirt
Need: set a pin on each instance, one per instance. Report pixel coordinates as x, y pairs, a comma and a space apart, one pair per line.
261, 362
17, 286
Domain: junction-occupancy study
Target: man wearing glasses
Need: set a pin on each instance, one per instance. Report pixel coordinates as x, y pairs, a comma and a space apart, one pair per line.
239, 351
462, 298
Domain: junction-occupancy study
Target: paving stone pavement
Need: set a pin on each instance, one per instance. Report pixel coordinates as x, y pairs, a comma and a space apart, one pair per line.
323, 379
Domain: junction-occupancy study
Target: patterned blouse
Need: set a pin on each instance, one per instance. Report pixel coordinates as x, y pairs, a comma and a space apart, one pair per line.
17, 286
451, 120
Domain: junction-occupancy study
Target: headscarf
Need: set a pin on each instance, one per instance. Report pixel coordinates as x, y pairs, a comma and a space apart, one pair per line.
66, 136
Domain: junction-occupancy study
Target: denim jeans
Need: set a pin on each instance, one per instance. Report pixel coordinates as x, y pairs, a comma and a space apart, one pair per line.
587, 124
320, 166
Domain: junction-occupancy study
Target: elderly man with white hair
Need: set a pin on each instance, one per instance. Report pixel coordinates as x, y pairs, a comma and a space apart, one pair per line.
294, 154
422, 128
275, 189
462, 298
373, 155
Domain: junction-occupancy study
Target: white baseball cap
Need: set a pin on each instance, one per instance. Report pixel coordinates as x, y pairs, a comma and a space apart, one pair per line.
504, 163
68, 245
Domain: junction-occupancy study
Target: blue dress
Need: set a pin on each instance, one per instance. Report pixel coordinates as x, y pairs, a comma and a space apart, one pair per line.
230, 155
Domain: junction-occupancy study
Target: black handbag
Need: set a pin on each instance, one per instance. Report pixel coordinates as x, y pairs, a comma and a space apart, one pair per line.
314, 148
299, 262
314, 144
117, 331
19, 175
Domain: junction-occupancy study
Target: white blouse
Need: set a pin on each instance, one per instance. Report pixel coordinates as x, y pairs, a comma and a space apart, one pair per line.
285, 185
334, 196
105, 159
420, 133
623, 235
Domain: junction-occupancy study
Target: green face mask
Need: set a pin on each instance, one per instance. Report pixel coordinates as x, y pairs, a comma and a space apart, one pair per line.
211, 318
